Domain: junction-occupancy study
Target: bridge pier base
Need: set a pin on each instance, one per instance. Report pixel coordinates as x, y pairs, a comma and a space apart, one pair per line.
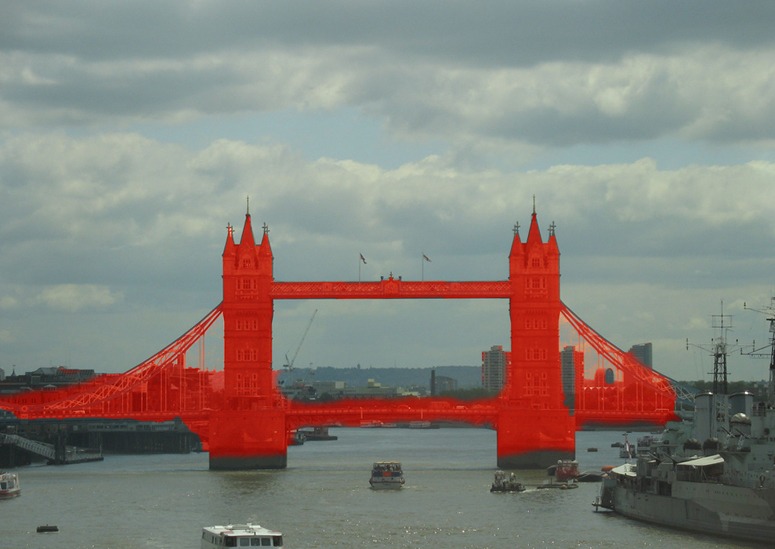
534, 439
248, 439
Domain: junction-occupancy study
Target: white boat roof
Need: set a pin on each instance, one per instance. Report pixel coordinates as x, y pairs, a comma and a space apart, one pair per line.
247, 529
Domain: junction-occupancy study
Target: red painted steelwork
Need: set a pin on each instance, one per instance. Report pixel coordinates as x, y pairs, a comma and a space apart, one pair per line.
245, 421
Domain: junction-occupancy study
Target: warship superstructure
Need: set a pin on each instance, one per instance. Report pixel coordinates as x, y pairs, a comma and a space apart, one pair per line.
713, 473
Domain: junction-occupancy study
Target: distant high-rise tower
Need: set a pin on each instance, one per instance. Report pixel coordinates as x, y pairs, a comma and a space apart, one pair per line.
572, 372
494, 366
643, 354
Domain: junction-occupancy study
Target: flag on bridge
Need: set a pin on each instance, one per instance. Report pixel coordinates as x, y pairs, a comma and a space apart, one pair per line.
363, 259
426, 258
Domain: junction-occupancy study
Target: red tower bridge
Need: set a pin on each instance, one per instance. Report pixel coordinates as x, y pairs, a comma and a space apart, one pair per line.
561, 375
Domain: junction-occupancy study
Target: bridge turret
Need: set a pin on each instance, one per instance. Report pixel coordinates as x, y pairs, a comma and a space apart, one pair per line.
265, 254
517, 253
533, 393
237, 438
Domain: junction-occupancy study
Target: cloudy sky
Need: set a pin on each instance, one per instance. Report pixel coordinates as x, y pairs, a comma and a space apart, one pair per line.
132, 133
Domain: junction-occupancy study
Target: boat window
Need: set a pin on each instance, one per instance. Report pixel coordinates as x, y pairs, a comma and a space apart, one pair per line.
277, 541
230, 542
244, 542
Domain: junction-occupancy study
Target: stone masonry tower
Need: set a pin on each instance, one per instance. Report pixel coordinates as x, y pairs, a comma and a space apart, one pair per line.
249, 431
535, 429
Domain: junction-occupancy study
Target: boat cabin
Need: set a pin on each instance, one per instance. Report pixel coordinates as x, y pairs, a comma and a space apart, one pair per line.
240, 535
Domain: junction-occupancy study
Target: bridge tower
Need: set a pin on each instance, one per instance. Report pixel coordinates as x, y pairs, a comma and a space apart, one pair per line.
535, 429
249, 430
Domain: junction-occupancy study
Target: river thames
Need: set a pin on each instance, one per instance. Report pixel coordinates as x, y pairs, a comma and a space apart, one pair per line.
323, 499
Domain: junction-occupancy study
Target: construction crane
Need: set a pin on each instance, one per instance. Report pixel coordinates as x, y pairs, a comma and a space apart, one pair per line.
289, 363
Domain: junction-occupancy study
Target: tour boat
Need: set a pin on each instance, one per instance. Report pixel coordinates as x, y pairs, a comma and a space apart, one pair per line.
9, 485
386, 474
240, 535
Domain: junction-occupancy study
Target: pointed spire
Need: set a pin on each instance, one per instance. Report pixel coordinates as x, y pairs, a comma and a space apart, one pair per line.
229, 248
247, 240
516, 243
552, 242
534, 233
266, 248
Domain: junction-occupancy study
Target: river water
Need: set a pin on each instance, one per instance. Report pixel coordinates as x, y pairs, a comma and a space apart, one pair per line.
323, 499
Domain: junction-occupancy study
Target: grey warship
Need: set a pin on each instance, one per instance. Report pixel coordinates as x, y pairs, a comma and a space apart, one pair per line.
712, 473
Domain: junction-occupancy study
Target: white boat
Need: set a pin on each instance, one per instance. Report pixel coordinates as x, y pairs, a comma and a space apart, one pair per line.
240, 535
386, 475
9, 485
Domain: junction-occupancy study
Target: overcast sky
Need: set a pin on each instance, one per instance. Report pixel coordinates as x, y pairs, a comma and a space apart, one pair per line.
131, 133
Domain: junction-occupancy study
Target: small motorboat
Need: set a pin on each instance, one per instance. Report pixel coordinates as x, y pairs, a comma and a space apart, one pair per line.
506, 483
9, 485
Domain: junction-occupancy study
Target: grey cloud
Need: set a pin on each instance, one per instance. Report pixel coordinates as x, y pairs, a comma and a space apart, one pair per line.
503, 33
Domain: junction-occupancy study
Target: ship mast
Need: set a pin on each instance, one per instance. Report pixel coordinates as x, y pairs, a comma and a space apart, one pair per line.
719, 348
755, 352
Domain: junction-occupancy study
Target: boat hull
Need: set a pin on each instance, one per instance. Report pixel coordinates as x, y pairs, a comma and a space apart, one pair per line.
387, 485
708, 508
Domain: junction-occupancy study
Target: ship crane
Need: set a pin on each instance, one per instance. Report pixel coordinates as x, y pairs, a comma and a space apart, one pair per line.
289, 363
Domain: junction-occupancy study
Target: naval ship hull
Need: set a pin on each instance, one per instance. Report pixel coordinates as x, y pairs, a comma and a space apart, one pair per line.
707, 508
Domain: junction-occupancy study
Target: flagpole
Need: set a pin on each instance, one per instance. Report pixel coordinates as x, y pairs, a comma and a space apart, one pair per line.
361, 259
423, 259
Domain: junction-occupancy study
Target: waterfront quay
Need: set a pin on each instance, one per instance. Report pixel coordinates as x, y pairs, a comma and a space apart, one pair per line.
78, 440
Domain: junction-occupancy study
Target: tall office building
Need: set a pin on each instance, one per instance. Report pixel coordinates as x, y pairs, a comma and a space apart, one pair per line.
494, 367
643, 353
572, 375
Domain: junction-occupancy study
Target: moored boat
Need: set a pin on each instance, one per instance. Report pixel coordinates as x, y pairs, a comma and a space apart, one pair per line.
386, 475
240, 535
9, 485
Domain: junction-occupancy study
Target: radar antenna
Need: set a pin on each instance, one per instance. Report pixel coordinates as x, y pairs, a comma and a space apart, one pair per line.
719, 349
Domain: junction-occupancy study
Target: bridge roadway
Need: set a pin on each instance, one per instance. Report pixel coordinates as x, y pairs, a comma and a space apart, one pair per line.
355, 413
